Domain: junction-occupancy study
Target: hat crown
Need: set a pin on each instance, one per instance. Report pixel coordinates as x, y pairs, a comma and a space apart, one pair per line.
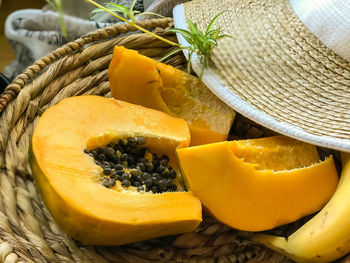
328, 20
283, 66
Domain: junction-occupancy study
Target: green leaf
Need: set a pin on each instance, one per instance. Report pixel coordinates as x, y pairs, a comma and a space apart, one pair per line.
127, 13
183, 32
132, 5
57, 5
116, 5
117, 8
222, 36
193, 27
213, 20
212, 41
213, 33
199, 39
190, 40
111, 8
189, 62
169, 54
96, 10
149, 13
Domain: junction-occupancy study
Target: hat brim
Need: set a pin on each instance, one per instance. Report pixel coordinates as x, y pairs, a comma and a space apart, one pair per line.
243, 106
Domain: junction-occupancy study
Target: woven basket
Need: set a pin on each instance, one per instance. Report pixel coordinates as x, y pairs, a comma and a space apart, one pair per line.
27, 230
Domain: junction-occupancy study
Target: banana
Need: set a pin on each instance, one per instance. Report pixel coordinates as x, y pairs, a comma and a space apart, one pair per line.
326, 237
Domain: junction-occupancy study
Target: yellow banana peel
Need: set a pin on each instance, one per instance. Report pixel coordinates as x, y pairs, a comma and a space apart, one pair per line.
326, 237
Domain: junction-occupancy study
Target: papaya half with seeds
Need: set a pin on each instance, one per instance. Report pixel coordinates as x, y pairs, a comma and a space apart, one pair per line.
69, 179
141, 80
256, 185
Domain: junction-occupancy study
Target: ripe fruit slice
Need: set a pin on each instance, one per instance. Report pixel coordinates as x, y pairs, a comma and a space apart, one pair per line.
141, 80
325, 237
68, 178
256, 185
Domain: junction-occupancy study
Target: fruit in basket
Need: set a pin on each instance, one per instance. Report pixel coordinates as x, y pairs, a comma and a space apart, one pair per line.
326, 237
142, 80
94, 161
259, 184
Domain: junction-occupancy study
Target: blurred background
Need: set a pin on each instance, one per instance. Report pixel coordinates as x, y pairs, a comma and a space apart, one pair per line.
37, 27
6, 7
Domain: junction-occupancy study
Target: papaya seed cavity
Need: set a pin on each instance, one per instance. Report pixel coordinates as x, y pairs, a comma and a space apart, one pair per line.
130, 164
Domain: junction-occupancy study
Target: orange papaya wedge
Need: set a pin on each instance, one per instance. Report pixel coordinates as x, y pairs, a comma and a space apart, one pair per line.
256, 185
144, 81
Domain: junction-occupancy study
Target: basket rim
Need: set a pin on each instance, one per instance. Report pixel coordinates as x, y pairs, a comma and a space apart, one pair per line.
16, 85
12, 181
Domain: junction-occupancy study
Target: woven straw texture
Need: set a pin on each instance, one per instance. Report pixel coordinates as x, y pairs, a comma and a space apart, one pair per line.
27, 230
277, 65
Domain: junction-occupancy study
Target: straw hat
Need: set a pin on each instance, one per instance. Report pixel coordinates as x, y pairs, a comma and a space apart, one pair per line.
286, 65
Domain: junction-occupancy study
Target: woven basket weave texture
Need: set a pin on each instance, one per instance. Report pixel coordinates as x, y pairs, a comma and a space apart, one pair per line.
27, 230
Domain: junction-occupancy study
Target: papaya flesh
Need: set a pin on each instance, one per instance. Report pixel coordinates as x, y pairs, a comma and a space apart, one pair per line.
68, 178
141, 80
256, 185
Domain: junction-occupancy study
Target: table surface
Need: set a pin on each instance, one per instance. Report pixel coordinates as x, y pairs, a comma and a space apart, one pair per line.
8, 6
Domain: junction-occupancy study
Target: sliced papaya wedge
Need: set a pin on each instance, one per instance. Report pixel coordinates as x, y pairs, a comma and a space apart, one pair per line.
69, 179
257, 185
141, 80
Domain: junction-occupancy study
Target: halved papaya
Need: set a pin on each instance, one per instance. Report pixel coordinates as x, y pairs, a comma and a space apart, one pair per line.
69, 179
256, 185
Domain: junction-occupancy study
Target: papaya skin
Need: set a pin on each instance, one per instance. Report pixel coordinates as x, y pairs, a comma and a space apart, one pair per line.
260, 197
151, 82
68, 179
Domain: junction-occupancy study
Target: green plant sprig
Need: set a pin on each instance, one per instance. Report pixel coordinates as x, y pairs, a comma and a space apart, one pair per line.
200, 43
129, 13
57, 5
132, 23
